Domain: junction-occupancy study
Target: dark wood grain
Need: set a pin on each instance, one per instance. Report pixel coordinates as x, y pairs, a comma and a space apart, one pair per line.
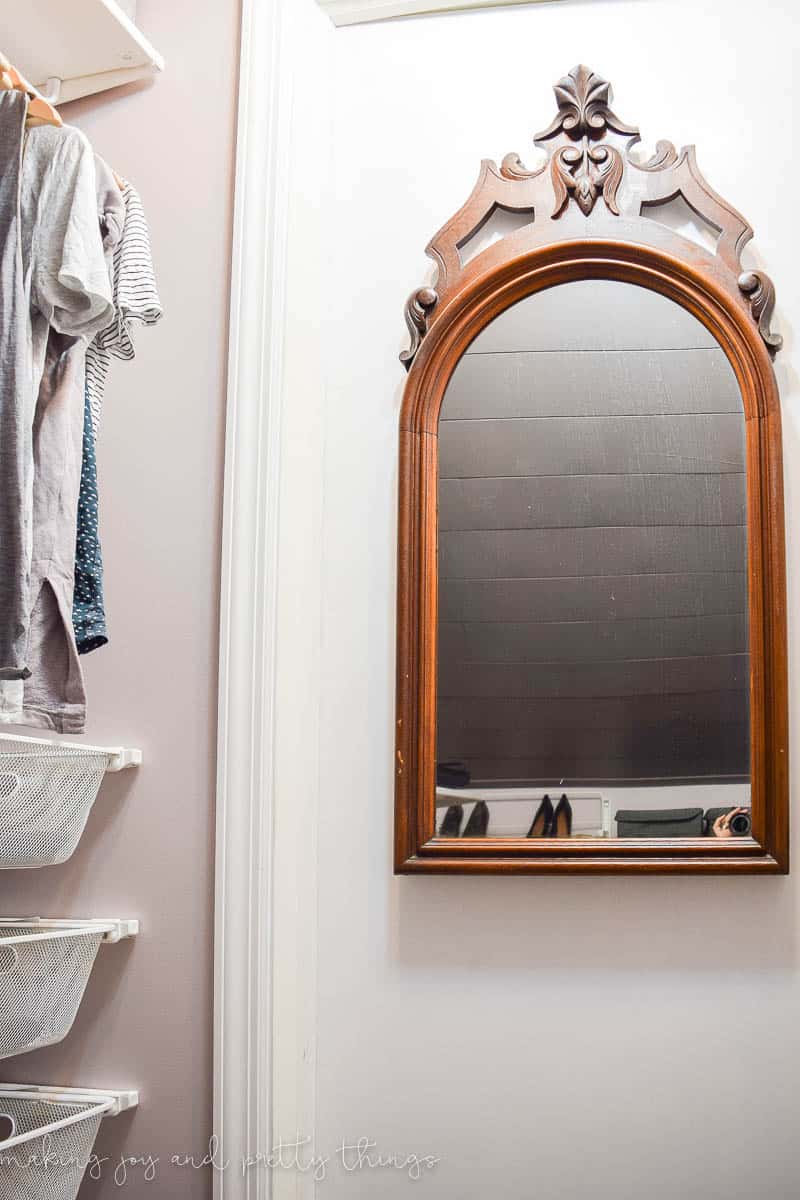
588, 224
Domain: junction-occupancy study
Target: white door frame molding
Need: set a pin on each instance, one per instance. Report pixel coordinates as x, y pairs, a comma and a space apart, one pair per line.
356, 12
247, 668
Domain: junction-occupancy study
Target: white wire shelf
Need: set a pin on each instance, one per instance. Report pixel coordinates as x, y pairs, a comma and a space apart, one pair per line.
113, 1100
48, 1137
119, 758
47, 789
45, 964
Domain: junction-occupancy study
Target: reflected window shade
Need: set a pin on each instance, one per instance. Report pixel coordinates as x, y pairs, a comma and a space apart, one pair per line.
594, 383
681, 444
593, 563
576, 501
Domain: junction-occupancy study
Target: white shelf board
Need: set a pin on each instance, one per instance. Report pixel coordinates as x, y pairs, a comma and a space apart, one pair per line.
357, 12
114, 929
119, 1101
121, 757
88, 45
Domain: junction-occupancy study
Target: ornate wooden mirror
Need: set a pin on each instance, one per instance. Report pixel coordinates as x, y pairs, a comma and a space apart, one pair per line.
591, 643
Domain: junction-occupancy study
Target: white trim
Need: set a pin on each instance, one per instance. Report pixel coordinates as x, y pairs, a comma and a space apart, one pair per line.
246, 738
357, 12
308, 47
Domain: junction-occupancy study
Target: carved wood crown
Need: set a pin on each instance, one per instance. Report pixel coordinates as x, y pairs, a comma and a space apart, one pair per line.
586, 169
587, 161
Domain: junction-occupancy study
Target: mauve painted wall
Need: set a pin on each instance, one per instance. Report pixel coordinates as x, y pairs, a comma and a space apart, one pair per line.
148, 848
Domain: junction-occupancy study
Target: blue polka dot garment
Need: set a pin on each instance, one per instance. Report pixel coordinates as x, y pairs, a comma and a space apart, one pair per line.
88, 606
136, 301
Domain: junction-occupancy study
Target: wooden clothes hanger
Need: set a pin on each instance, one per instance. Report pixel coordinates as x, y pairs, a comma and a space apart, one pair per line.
40, 111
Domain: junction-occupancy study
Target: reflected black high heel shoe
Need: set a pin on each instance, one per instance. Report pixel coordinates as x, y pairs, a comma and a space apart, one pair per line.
451, 821
478, 821
562, 819
543, 819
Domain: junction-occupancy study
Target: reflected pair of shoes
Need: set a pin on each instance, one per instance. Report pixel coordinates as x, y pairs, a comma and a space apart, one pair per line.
476, 826
552, 822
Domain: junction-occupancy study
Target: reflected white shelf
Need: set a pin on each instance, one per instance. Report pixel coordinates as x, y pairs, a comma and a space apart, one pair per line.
74, 48
490, 793
591, 810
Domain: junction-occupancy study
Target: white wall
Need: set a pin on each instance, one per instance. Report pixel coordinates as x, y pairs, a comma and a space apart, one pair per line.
575, 1038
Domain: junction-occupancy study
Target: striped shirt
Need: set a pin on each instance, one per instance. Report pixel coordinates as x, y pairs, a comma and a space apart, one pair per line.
135, 300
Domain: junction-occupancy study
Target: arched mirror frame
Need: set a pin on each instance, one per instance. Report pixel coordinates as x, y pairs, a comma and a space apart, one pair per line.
590, 211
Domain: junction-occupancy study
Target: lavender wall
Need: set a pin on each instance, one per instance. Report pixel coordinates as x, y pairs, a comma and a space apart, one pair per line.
147, 851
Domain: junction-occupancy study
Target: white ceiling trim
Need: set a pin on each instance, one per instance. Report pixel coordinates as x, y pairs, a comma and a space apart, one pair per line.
356, 12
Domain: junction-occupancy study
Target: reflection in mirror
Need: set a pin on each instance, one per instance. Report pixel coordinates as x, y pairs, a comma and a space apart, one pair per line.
593, 666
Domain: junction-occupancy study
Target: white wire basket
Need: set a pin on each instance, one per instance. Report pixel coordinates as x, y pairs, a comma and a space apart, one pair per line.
47, 790
44, 968
47, 1137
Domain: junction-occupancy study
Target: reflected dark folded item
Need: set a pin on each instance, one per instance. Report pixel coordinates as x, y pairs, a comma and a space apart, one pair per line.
741, 825
451, 822
478, 822
452, 774
662, 822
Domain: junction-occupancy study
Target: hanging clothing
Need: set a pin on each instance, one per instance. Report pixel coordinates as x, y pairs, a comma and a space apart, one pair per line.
71, 293
53, 694
16, 399
88, 604
136, 300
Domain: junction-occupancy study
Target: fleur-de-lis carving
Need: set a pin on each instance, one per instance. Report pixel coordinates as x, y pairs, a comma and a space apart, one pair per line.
587, 170
584, 108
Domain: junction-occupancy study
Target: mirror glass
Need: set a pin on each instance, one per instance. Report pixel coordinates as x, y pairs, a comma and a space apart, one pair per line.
593, 665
